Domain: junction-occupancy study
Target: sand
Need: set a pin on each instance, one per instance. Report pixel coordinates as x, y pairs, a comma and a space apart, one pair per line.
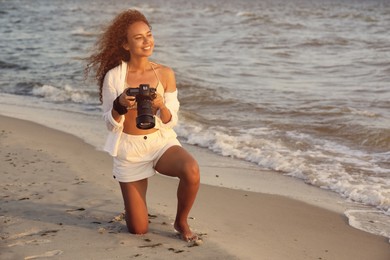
59, 201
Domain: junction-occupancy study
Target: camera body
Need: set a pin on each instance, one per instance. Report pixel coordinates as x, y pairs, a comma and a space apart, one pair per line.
144, 96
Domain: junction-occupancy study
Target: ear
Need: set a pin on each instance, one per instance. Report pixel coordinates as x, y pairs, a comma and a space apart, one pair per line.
126, 46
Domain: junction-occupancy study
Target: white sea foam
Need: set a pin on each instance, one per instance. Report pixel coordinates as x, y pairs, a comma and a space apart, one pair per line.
326, 166
81, 31
363, 112
372, 221
64, 94
246, 14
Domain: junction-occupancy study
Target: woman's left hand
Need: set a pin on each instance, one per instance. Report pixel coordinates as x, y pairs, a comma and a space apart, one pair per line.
158, 102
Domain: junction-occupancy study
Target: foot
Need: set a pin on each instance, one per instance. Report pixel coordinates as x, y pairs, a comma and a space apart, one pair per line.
185, 233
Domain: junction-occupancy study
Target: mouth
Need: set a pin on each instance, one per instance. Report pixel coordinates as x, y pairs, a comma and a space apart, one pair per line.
147, 48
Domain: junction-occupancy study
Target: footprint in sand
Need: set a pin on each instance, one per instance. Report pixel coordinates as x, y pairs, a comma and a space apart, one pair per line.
25, 234
34, 241
33, 232
47, 254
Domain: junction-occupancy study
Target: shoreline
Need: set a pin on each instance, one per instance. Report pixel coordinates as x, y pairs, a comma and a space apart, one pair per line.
234, 173
91, 129
42, 214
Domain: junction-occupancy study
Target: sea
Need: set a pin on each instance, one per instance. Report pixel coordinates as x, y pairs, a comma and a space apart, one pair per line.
298, 87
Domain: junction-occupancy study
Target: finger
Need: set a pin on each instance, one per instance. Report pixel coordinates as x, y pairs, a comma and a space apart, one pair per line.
130, 98
125, 91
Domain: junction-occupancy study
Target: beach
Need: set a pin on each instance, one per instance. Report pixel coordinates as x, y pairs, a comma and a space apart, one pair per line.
59, 200
285, 105
270, 89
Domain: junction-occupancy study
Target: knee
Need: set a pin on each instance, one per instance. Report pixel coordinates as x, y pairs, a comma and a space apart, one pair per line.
137, 227
191, 170
137, 230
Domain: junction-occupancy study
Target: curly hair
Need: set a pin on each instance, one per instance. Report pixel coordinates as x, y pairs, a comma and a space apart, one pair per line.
109, 51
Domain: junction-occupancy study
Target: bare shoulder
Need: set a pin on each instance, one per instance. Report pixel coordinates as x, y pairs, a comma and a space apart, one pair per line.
166, 76
162, 69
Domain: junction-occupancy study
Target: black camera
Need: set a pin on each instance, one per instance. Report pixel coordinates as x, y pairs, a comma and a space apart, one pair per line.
144, 96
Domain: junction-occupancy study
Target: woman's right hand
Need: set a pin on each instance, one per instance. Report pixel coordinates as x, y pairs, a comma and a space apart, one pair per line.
127, 101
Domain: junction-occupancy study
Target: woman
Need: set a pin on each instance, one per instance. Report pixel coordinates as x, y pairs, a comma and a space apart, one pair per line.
121, 61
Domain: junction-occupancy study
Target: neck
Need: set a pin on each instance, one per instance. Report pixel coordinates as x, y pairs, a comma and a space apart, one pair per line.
138, 65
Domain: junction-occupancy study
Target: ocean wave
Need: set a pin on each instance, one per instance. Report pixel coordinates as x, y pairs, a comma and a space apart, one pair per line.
65, 94
24, 88
363, 219
365, 113
328, 110
145, 8
320, 42
8, 65
246, 14
354, 16
291, 26
51, 93
80, 31
354, 174
250, 17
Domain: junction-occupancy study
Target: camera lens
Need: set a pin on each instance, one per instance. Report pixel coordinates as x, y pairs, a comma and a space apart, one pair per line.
145, 118
145, 122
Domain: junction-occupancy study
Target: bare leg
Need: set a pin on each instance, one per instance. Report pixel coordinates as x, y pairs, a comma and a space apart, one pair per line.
134, 197
177, 162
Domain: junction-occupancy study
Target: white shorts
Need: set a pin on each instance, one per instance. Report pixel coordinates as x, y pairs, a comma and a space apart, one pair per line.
139, 154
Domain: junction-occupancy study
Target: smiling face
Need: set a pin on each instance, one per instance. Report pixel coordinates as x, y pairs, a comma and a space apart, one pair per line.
140, 41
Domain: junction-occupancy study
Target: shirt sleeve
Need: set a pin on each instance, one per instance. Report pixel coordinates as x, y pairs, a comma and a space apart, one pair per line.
109, 94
